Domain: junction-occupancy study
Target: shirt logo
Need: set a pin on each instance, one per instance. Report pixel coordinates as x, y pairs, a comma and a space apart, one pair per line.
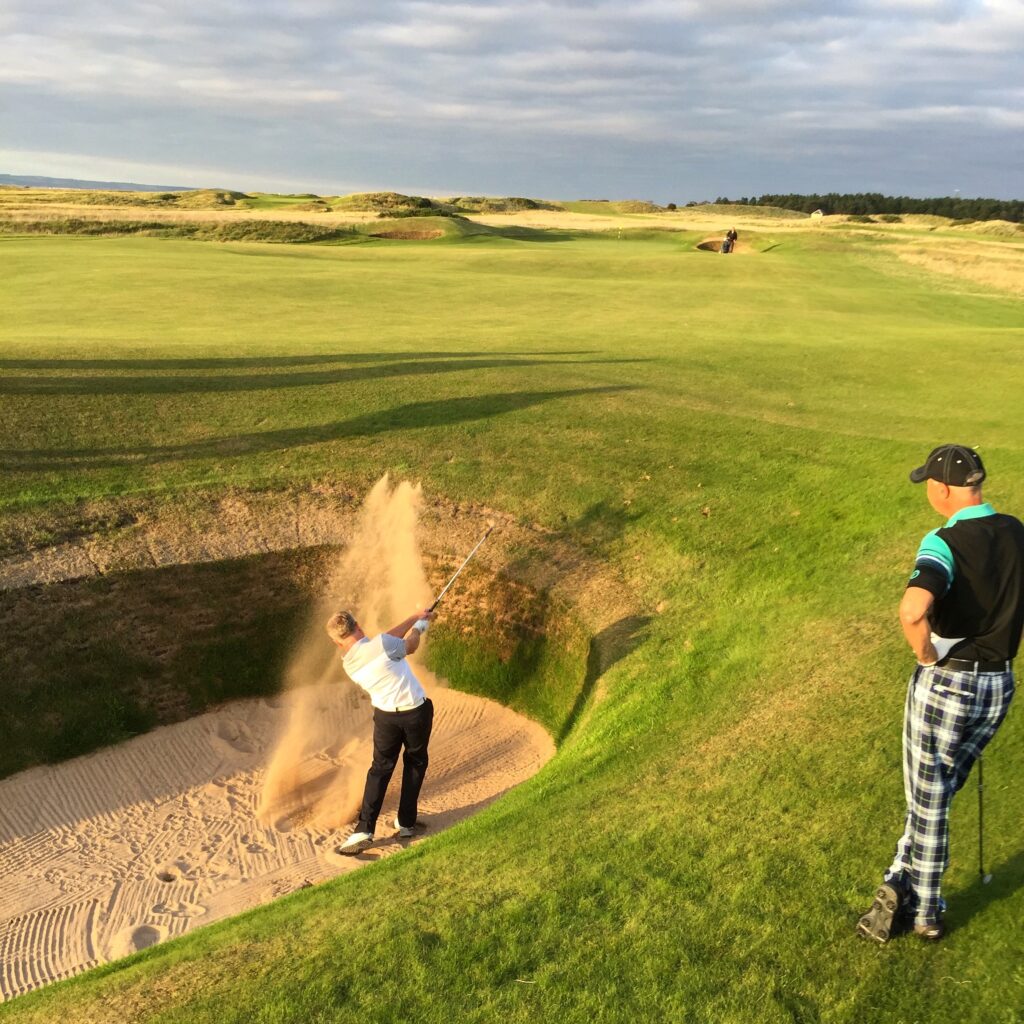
915, 574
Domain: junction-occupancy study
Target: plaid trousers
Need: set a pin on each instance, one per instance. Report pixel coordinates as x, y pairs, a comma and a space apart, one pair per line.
949, 718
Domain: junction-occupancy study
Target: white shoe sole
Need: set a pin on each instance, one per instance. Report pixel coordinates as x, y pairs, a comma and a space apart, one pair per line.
351, 849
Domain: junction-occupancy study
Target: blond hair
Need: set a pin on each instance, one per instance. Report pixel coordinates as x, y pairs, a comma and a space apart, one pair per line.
341, 626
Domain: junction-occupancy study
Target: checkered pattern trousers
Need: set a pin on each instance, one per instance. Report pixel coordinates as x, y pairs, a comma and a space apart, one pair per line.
949, 718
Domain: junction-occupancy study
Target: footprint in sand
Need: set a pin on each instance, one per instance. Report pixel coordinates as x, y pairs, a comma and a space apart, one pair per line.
179, 908
235, 735
173, 871
135, 937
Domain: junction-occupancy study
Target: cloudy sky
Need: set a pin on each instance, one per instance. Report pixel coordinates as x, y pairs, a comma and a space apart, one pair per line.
670, 100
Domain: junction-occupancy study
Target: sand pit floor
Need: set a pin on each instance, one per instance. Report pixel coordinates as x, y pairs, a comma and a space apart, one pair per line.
116, 851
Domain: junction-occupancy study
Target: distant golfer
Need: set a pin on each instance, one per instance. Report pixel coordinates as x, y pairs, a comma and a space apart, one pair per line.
402, 716
967, 586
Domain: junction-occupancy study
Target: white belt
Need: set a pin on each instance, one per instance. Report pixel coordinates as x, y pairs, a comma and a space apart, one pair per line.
406, 707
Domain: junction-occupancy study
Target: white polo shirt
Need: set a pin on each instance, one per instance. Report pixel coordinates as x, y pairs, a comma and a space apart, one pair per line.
378, 665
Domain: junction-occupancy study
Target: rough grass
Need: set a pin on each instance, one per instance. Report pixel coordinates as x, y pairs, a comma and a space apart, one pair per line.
236, 231
995, 266
197, 199
731, 436
496, 204
605, 206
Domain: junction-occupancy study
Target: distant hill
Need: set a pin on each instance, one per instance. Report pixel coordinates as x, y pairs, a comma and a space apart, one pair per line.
34, 181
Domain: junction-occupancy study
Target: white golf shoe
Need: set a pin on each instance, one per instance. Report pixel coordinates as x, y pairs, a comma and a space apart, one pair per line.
356, 843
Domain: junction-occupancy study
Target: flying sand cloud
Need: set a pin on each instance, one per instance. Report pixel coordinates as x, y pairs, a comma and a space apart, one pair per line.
668, 99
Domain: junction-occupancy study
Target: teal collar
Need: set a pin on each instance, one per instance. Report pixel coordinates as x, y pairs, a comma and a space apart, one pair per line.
971, 512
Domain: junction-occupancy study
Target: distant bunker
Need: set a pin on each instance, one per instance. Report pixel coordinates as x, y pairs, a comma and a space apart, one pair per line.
715, 245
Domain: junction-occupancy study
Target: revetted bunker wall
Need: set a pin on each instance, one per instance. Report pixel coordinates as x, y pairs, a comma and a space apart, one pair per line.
118, 642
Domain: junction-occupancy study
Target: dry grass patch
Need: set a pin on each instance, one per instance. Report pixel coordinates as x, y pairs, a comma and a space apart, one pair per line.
991, 264
172, 216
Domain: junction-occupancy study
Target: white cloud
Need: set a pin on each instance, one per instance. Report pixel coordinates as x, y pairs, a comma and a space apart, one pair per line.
427, 89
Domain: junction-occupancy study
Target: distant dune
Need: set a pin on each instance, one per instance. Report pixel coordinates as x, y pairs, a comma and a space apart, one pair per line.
34, 181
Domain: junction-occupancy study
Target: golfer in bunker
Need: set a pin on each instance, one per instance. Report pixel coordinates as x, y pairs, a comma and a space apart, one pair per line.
402, 717
962, 614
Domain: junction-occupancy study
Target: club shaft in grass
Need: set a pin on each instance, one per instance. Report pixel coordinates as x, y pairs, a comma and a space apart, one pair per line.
437, 600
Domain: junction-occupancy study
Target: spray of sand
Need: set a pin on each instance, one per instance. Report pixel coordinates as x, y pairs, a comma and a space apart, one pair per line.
315, 776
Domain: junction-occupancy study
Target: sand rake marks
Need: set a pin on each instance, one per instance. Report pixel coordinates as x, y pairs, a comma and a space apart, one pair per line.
47, 945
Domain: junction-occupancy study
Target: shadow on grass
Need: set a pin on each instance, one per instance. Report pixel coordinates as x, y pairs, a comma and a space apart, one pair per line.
1007, 880
260, 362
612, 644
416, 415
520, 233
262, 381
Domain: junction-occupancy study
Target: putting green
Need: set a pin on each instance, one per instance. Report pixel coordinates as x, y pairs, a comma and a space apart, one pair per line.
730, 437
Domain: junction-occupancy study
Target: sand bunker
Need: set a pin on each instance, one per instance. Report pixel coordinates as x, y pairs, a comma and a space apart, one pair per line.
108, 854
715, 245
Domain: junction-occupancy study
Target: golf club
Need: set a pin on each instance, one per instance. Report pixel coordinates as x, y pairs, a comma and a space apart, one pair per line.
437, 600
985, 879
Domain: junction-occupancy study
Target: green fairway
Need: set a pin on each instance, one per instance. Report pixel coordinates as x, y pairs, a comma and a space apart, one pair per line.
732, 437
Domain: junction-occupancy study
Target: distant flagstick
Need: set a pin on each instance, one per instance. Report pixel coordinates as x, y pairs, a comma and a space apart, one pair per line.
437, 600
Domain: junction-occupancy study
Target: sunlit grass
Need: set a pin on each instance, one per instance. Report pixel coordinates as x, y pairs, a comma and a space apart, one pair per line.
732, 436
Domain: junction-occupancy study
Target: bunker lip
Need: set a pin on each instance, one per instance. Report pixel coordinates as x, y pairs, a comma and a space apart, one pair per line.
107, 537
111, 539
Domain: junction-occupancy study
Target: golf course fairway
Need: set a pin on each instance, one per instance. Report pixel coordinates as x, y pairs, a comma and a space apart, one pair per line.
724, 441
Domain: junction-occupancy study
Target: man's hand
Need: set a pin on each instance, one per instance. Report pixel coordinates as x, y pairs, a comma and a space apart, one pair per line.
914, 608
411, 629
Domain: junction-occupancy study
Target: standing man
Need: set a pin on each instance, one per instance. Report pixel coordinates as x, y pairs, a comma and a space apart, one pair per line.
967, 586
402, 716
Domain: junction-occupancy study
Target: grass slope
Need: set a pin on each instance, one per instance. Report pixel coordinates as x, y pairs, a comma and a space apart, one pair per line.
733, 435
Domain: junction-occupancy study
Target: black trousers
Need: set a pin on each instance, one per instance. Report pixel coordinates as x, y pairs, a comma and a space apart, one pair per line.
391, 731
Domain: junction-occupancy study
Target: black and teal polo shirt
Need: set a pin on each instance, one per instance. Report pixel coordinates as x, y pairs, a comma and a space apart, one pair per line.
974, 567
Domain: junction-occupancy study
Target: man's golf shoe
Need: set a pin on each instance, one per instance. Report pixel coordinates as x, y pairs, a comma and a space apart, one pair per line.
409, 831
879, 923
356, 843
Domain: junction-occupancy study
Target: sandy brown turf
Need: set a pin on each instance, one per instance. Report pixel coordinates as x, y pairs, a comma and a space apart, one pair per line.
113, 852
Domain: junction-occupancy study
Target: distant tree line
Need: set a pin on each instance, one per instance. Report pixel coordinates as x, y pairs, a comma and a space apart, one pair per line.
956, 207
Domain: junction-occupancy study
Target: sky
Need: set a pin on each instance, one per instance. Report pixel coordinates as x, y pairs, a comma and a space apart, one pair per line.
669, 100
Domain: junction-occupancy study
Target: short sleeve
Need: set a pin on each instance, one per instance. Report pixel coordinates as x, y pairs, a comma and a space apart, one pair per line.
934, 568
394, 646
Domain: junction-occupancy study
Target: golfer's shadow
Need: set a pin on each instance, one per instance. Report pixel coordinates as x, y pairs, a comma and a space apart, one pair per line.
612, 644
1007, 879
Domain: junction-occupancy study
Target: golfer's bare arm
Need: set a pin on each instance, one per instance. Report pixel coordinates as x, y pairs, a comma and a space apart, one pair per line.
404, 631
914, 608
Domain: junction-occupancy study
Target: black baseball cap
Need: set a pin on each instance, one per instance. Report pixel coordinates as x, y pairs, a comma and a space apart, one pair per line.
953, 464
